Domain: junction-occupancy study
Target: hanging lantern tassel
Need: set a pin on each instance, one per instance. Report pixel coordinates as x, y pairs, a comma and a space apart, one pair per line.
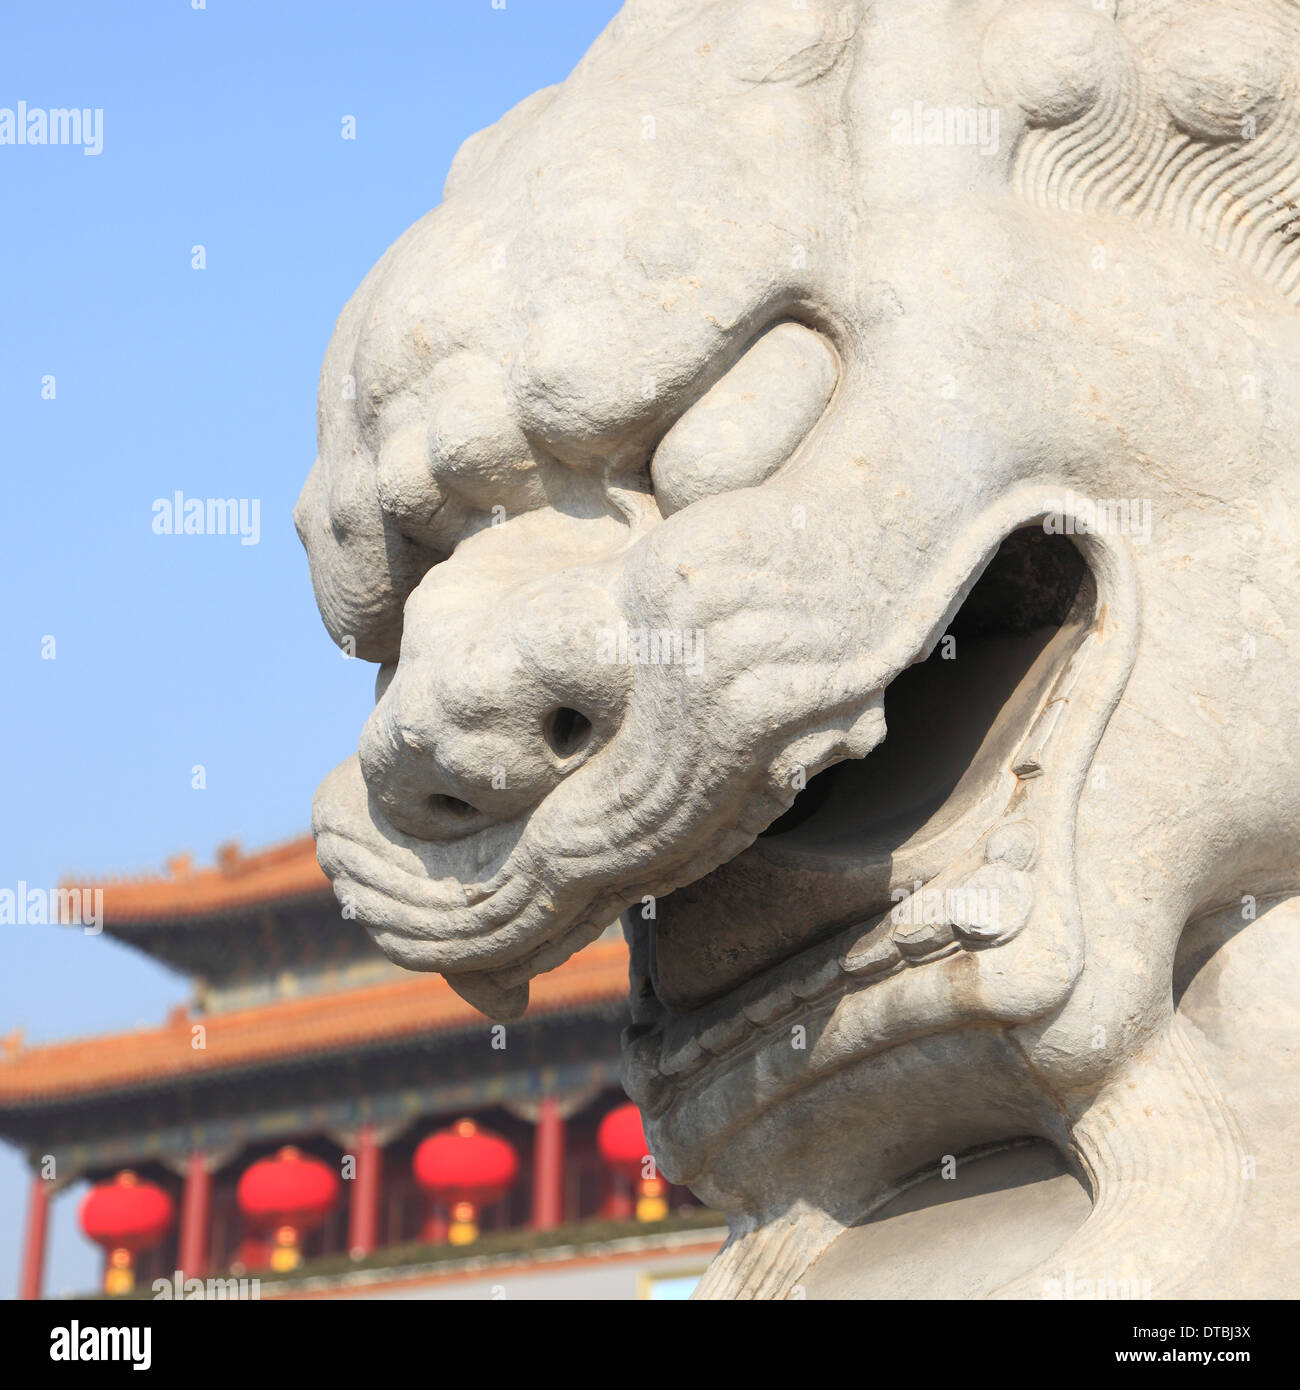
286, 1252
464, 1224
119, 1276
652, 1199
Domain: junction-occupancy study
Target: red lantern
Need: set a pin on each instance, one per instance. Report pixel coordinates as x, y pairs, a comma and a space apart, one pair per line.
468, 1168
288, 1194
622, 1144
125, 1216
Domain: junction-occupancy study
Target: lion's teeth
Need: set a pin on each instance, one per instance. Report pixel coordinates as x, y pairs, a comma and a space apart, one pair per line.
817, 981
871, 953
921, 938
767, 1007
641, 1076
724, 1032
995, 903
682, 1048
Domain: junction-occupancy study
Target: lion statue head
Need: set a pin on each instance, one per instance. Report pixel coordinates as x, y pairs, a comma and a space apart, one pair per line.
822, 484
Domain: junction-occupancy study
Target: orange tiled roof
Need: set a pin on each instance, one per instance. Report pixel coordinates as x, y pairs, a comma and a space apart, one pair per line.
320, 1023
235, 881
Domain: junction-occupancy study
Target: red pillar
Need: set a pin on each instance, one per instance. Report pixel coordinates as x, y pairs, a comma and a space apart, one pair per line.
363, 1212
38, 1215
548, 1167
196, 1211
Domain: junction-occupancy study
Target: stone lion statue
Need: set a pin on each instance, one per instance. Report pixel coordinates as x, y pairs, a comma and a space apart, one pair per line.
823, 485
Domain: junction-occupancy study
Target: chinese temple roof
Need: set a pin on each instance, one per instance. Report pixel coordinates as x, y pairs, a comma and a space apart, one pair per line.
237, 882
331, 1022
281, 977
237, 926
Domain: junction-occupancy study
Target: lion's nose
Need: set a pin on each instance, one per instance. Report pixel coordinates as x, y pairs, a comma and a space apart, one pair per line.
485, 720
439, 773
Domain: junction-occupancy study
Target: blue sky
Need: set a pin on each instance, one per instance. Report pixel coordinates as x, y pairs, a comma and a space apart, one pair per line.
221, 128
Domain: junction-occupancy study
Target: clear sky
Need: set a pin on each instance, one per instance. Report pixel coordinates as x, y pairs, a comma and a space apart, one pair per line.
222, 128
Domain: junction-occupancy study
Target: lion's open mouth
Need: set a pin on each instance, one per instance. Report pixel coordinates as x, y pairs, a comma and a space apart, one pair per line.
806, 910
947, 800
951, 718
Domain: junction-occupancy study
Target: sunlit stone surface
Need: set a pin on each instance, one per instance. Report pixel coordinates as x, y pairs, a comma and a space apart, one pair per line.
823, 484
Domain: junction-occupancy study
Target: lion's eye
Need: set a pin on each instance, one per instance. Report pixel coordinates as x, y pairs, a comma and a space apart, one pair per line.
743, 429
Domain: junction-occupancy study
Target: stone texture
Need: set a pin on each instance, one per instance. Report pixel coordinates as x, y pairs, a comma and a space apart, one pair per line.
822, 484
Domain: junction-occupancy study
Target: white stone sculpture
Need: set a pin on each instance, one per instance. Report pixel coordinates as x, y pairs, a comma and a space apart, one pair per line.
823, 484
